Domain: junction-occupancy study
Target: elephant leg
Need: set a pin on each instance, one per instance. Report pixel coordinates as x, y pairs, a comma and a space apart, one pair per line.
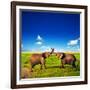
45, 65
41, 66
31, 69
73, 64
62, 63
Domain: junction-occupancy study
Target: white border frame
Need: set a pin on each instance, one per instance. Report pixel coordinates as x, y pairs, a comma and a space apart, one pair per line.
53, 79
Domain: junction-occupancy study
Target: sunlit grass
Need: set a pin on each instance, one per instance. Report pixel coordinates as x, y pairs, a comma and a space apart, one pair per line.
52, 67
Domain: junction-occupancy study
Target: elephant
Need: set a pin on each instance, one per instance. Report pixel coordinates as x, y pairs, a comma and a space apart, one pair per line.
66, 59
36, 59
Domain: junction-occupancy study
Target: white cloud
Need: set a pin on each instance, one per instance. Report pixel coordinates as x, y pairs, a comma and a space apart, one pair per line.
73, 42
39, 40
78, 49
59, 50
39, 43
56, 50
45, 48
39, 37
62, 50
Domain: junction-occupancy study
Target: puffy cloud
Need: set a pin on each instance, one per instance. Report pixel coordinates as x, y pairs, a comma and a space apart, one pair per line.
62, 50
78, 49
45, 48
73, 42
39, 38
39, 43
59, 50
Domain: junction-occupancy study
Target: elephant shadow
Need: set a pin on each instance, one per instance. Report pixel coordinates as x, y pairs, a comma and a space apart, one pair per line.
53, 66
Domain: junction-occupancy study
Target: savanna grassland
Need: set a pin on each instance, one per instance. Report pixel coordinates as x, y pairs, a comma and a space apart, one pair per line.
52, 67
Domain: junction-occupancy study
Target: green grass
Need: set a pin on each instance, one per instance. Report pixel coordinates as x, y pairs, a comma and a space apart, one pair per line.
52, 67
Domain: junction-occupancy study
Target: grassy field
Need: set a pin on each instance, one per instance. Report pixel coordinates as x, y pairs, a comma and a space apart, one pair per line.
53, 67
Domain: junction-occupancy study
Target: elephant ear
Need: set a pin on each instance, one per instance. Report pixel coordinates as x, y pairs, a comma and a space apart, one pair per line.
62, 56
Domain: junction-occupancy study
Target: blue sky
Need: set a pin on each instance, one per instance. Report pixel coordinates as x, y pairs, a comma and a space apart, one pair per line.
41, 31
